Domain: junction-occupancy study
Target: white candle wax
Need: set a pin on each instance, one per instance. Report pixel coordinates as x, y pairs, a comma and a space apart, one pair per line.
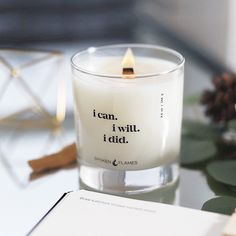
129, 124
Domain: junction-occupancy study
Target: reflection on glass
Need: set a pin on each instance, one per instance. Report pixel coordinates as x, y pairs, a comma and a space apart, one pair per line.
168, 194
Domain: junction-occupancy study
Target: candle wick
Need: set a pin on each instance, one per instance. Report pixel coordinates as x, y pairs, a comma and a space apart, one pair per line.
128, 71
128, 64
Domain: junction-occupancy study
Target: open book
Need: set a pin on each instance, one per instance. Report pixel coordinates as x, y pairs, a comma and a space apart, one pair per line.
88, 213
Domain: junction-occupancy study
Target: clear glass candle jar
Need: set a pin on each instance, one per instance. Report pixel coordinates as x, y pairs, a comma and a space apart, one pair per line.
128, 129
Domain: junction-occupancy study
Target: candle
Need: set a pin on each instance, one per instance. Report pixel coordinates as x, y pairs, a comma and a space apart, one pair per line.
128, 109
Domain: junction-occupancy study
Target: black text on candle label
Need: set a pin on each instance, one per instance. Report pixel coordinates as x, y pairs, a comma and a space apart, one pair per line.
105, 116
162, 105
115, 128
116, 162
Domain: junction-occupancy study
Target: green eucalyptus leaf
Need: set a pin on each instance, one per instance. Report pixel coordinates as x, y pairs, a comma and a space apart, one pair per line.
223, 171
232, 124
233, 188
200, 130
222, 205
219, 188
196, 151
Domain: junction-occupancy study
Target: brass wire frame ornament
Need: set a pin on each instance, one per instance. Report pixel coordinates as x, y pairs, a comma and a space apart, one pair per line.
38, 108
51, 122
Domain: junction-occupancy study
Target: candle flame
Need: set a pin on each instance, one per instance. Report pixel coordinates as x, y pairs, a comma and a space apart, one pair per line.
128, 60
128, 64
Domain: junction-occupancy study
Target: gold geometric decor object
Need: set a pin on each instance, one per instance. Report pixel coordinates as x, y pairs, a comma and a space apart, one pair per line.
32, 108
32, 88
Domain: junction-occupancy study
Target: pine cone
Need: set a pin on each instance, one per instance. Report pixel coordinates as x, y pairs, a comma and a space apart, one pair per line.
220, 102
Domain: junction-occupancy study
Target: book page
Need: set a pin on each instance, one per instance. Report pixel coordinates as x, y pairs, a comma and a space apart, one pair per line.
93, 214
